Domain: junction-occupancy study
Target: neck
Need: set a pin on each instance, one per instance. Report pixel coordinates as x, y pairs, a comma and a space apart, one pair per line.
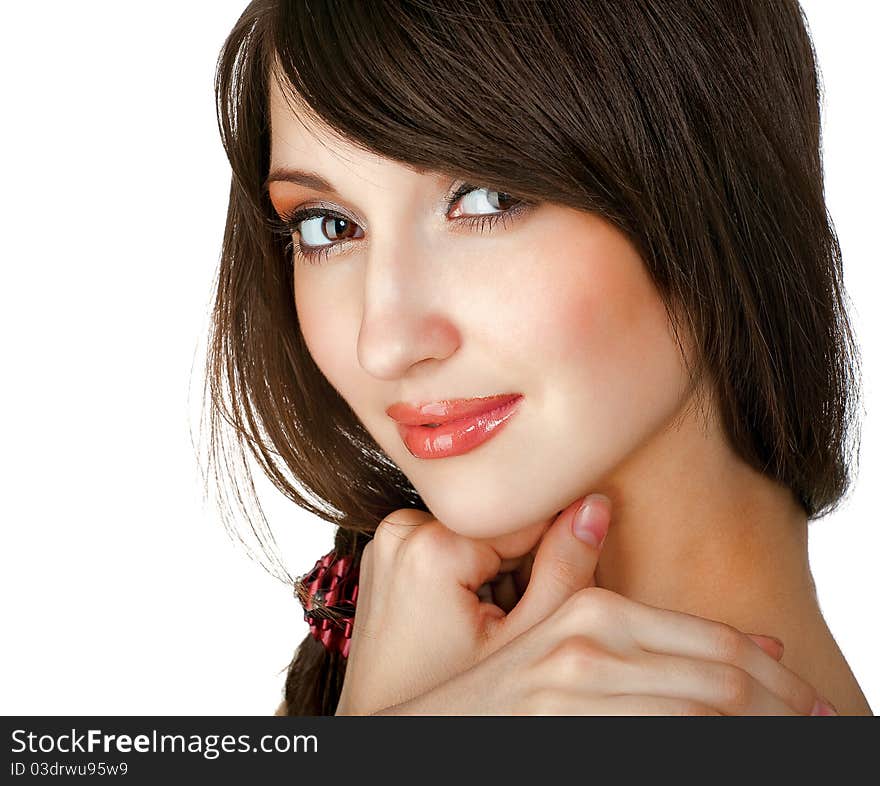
695, 529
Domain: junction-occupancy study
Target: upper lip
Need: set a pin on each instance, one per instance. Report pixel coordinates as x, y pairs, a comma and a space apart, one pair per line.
445, 410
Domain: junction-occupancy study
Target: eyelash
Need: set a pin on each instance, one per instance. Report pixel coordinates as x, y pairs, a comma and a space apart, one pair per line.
288, 222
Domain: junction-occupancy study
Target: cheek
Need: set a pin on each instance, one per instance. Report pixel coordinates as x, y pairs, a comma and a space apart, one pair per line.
602, 342
590, 303
325, 330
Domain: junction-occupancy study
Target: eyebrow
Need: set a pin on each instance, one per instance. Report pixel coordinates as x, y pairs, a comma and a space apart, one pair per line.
307, 179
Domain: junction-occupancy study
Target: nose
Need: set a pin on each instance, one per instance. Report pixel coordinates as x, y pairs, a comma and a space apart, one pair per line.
405, 317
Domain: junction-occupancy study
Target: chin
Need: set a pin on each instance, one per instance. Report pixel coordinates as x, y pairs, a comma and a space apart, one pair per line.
510, 528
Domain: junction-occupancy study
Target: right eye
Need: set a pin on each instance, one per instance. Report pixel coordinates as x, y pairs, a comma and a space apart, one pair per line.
319, 230
326, 227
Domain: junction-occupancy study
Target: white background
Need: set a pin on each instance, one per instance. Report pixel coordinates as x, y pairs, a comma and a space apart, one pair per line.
122, 594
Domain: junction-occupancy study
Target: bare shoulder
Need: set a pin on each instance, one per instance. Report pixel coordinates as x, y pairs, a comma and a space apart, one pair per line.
282, 709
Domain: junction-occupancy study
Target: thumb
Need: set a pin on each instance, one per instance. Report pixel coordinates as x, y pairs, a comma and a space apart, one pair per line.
564, 563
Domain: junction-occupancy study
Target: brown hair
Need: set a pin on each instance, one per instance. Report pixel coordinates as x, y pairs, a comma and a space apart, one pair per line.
693, 127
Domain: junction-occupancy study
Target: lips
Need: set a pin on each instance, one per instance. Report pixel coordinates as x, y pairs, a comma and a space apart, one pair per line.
464, 424
447, 410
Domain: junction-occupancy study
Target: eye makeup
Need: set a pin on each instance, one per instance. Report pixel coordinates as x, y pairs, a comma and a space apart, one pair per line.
288, 223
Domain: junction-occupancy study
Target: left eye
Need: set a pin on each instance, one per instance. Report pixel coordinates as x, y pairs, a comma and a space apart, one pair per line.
480, 201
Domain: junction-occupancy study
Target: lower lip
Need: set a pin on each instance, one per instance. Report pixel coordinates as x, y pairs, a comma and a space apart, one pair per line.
457, 436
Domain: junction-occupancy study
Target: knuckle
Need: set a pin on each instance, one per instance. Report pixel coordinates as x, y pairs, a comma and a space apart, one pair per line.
425, 548
386, 537
580, 661
734, 688
427, 538
574, 656
729, 644
395, 529
592, 607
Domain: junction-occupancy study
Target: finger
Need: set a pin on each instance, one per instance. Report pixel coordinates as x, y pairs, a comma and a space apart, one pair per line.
396, 528
504, 593
571, 703
484, 593
727, 688
390, 534
563, 564
655, 705
416, 541
678, 633
523, 572
770, 644
429, 555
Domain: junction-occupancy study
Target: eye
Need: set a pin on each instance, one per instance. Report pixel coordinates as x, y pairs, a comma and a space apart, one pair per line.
477, 206
480, 201
331, 227
476, 199
315, 226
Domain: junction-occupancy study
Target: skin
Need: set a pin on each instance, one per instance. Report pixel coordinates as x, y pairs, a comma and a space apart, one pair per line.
556, 305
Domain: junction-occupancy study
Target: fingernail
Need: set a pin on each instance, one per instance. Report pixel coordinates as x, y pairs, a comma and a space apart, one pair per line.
777, 640
780, 647
591, 524
823, 707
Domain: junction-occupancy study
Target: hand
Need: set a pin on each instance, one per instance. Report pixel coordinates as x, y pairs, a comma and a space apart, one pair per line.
601, 653
422, 622
571, 648
420, 619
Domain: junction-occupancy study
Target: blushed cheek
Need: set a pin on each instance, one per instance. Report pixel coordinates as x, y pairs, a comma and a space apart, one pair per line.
604, 330
583, 308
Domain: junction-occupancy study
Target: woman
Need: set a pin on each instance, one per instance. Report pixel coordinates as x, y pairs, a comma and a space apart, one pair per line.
590, 242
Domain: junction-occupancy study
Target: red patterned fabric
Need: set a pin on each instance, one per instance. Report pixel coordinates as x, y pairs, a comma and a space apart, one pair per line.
328, 594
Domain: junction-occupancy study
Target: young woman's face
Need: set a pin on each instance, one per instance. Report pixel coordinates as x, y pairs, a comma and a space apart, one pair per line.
413, 305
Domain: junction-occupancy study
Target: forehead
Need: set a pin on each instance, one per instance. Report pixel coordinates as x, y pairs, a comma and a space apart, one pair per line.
301, 141
298, 139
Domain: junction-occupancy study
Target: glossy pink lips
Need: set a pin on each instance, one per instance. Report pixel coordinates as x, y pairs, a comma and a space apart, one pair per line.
457, 433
